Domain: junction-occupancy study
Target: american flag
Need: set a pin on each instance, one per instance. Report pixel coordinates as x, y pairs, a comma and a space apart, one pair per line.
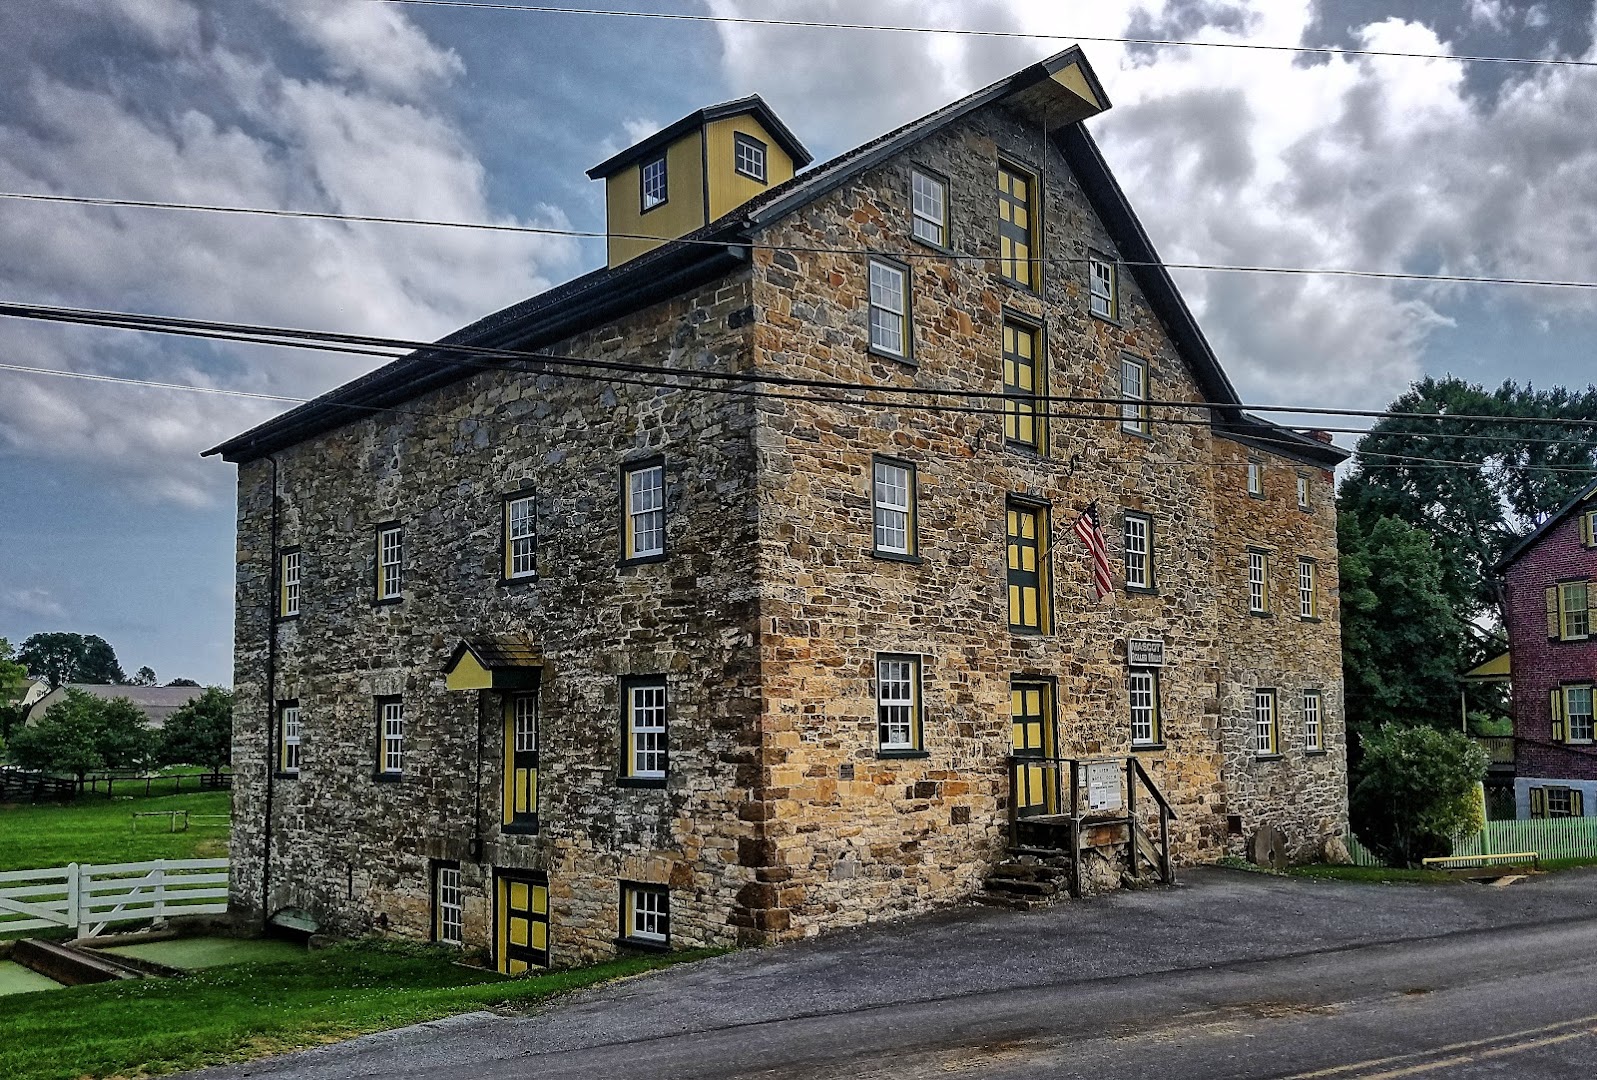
1092, 537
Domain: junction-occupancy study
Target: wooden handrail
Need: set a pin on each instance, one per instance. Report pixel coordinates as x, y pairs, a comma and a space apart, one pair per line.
1153, 789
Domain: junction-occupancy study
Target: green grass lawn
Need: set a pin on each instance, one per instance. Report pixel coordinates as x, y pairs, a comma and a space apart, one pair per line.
250, 1010
1378, 874
100, 830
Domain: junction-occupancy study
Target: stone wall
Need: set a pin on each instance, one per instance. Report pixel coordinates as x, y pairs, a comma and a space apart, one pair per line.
358, 853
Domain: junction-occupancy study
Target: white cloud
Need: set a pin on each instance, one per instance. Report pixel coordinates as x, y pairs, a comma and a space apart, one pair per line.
33, 603
1488, 13
1261, 158
349, 132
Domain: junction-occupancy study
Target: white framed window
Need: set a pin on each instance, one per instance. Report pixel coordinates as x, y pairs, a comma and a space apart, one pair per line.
654, 188
893, 494
521, 538
929, 208
289, 605
1101, 273
646, 914
391, 735
449, 902
1308, 596
524, 718
1578, 713
897, 702
1138, 551
644, 491
889, 307
748, 156
1134, 386
1574, 597
1303, 492
645, 703
1142, 688
1313, 738
1256, 478
1258, 582
290, 756
1264, 726
390, 563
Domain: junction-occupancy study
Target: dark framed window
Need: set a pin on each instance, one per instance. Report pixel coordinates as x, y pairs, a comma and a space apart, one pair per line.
1024, 378
1017, 226
289, 735
288, 578
889, 309
520, 520
521, 763
645, 760
643, 510
1142, 693
1303, 491
1104, 287
1134, 412
390, 737
893, 499
898, 704
1030, 590
1557, 802
390, 554
1137, 549
652, 177
1033, 735
1256, 478
748, 156
928, 205
449, 903
645, 915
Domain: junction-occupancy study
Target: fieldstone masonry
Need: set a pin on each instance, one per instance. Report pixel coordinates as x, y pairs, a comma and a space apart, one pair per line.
780, 819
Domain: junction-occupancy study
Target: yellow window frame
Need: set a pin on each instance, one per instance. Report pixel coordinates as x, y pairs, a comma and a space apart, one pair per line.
1027, 555
519, 800
1025, 382
1017, 225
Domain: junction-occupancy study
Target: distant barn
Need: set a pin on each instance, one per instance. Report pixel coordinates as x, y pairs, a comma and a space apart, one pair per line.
155, 702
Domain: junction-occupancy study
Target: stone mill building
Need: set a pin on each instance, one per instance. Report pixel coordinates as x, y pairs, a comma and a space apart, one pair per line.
734, 592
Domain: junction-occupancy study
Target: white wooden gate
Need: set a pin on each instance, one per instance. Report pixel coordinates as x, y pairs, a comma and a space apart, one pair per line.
87, 899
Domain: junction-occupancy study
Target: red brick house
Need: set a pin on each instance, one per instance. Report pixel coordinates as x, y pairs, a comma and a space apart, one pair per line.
1549, 580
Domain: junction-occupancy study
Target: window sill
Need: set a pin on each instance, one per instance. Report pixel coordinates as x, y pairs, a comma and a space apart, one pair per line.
388, 602
1147, 436
642, 560
1261, 614
1139, 747
641, 782
1256, 495
1025, 450
1026, 631
651, 209
907, 359
923, 242
525, 579
1268, 757
387, 777
894, 556
1570, 640
1020, 286
283, 774
1112, 320
1142, 590
285, 618
902, 755
1309, 618
1315, 753
640, 945
519, 828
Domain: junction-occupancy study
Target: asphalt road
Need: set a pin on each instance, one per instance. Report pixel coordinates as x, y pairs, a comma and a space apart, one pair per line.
1229, 975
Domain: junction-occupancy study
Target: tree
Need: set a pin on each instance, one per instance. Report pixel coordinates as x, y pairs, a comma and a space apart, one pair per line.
201, 732
182, 682
1419, 789
145, 676
82, 733
1401, 637
13, 686
71, 658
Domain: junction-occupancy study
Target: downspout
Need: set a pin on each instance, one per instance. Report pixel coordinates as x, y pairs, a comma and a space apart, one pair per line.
476, 814
271, 712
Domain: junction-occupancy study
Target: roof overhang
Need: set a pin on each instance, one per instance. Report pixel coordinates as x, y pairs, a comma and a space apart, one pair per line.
1494, 670
494, 663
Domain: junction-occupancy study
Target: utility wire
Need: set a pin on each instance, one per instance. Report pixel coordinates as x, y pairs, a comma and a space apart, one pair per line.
819, 24
918, 253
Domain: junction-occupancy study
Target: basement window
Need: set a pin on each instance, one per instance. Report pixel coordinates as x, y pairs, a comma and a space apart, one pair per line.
449, 909
645, 915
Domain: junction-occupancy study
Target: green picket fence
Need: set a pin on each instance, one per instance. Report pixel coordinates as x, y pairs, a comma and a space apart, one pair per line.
1549, 838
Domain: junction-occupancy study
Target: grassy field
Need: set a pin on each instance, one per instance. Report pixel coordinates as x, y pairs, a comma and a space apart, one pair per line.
1377, 874
100, 830
251, 1010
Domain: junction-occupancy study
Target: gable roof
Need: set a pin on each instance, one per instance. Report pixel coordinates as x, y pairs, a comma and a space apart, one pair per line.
1534, 537
754, 104
155, 702
700, 256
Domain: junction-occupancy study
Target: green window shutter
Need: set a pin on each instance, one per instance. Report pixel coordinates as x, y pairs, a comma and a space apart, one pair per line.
1554, 623
1577, 803
1556, 708
1538, 802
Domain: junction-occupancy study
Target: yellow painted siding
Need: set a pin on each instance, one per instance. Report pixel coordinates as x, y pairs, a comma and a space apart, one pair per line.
729, 188
680, 214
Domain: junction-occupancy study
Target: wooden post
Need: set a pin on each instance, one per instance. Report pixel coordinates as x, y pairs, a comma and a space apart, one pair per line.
74, 896
1014, 811
1075, 828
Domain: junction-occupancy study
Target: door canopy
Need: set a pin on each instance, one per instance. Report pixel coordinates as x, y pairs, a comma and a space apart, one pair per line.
494, 663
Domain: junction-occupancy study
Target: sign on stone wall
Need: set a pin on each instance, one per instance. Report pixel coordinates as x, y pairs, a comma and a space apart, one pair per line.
1103, 785
1144, 652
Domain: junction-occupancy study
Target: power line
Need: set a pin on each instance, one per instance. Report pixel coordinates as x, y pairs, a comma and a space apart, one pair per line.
819, 24
918, 253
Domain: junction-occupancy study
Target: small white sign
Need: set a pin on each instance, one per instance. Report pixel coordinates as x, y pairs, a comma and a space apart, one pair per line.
1141, 652
1103, 785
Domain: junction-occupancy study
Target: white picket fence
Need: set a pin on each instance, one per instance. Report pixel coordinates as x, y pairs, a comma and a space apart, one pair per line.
1550, 838
87, 899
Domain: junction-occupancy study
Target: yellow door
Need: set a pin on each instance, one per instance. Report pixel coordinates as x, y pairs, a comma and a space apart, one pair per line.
1031, 714
521, 938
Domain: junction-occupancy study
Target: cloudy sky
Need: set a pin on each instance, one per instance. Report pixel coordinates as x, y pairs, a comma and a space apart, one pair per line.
110, 523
